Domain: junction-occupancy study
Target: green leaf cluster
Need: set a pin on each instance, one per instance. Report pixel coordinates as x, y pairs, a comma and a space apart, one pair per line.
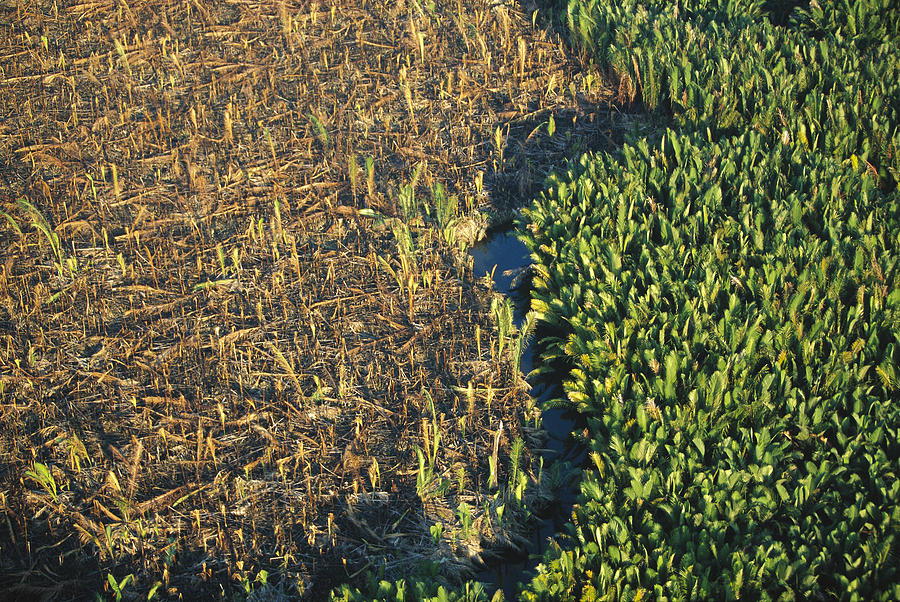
727, 300
731, 316
830, 81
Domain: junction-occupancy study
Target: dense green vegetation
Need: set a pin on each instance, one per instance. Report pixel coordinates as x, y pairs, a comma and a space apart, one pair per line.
828, 82
734, 334
726, 296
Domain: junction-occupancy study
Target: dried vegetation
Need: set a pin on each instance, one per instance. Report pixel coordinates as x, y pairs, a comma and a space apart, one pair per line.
234, 298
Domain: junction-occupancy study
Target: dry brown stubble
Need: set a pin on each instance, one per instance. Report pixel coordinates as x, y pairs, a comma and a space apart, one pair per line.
220, 387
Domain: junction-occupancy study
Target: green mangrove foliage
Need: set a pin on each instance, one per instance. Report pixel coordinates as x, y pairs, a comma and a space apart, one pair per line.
733, 325
727, 300
830, 81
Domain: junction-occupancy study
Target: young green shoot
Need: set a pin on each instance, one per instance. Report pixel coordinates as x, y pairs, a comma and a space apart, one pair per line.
43, 476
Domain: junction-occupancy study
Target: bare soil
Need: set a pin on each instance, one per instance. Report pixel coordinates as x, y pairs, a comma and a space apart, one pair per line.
220, 344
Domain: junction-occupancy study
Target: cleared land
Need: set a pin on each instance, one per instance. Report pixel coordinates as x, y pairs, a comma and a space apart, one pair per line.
234, 293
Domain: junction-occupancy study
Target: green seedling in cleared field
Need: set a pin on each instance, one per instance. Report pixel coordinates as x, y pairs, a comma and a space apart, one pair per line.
518, 480
500, 509
522, 342
118, 587
407, 195
493, 460
445, 212
262, 579
213, 283
492, 466
387, 267
320, 131
43, 476
405, 245
515, 456
424, 475
437, 531
370, 176
123, 55
408, 278
13, 223
321, 389
427, 461
464, 514
220, 255
502, 312
41, 224
407, 199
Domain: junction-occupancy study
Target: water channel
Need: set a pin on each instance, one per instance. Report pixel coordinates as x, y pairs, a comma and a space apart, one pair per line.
503, 255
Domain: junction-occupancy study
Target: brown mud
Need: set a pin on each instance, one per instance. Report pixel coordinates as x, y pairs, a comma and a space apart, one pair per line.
235, 297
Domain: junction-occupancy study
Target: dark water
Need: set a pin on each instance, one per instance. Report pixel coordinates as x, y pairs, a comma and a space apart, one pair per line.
508, 254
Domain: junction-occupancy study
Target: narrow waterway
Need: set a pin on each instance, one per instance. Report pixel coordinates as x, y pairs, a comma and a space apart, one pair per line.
504, 255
